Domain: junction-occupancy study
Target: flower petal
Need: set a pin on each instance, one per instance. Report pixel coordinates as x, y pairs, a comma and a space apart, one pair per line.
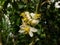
57, 4
32, 15
28, 15
21, 31
31, 34
33, 29
35, 22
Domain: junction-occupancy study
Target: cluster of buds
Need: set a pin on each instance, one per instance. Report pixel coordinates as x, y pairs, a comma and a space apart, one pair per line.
29, 20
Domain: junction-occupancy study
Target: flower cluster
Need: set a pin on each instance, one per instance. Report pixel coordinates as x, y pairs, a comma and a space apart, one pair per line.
57, 4
29, 20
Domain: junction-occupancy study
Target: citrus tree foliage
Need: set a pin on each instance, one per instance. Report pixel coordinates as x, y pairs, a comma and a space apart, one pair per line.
48, 28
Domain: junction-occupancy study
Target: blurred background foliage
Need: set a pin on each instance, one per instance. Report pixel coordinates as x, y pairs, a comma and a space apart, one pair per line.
48, 27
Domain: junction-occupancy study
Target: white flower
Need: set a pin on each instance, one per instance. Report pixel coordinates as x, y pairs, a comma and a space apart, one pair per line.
27, 30
28, 15
7, 18
32, 15
32, 29
57, 4
9, 5
10, 34
35, 16
34, 22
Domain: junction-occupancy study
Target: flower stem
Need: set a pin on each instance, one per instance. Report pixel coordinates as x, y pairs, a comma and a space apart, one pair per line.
13, 41
37, 5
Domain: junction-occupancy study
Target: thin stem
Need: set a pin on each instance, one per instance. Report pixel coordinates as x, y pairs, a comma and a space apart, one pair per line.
37, 5
36, 8
27, 4
43, 3
32, 43
13, 40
